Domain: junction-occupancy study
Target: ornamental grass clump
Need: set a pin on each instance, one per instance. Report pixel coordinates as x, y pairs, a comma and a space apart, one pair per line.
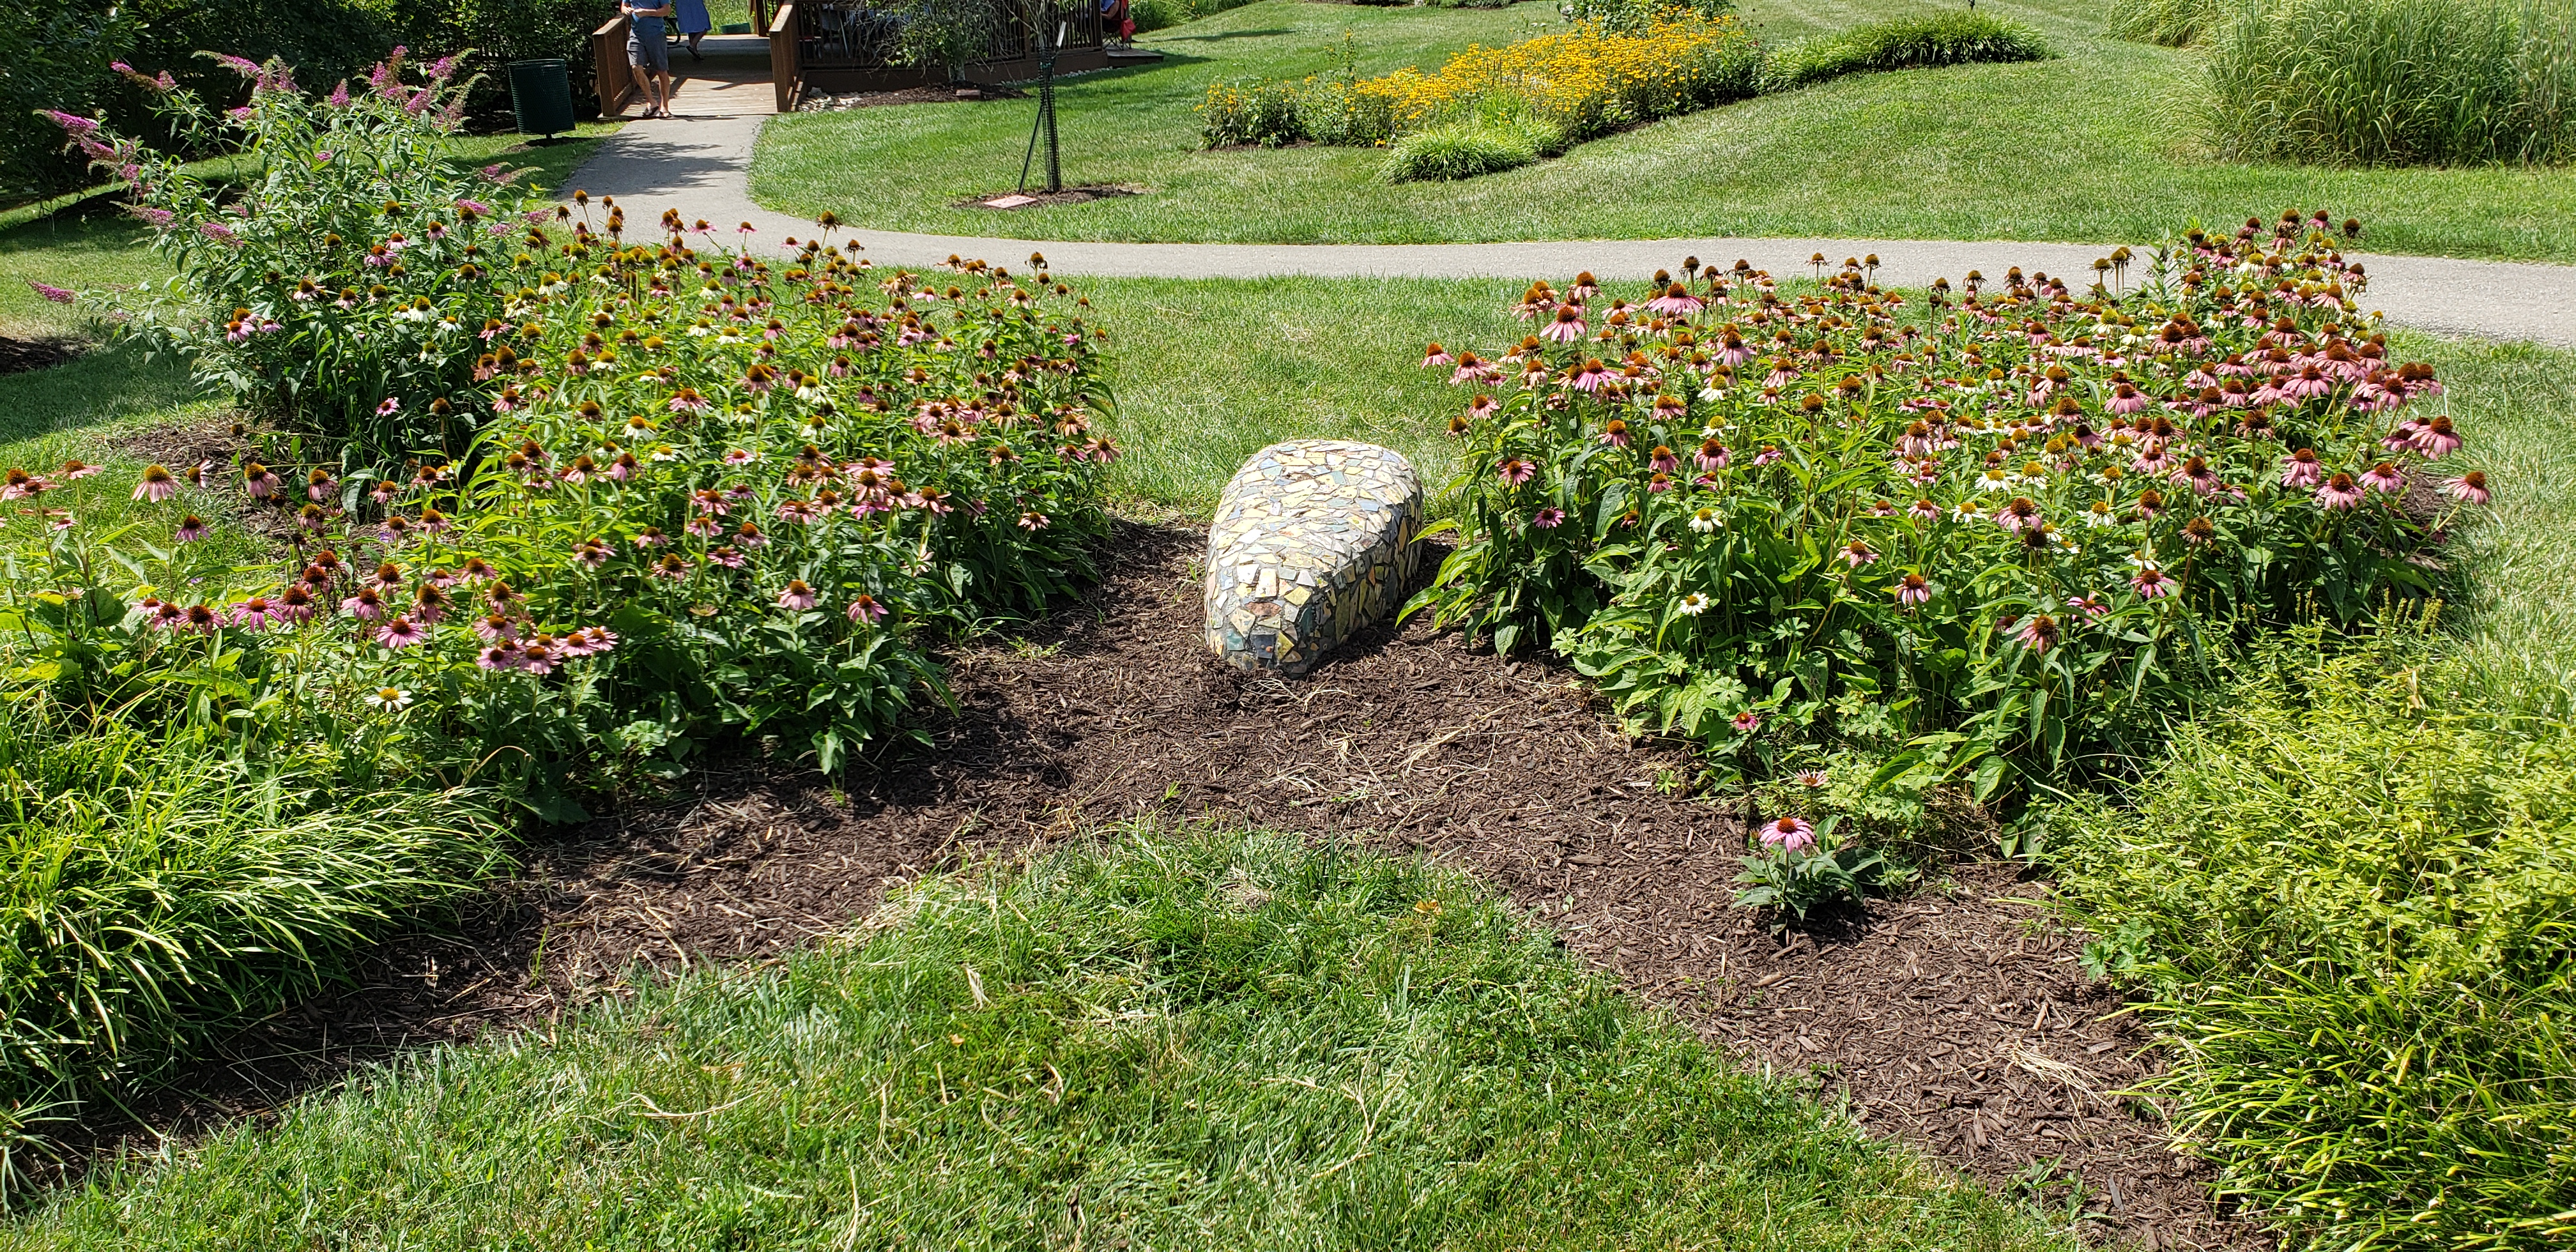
2002, 535
1929, 40
2394, 82
2345, 906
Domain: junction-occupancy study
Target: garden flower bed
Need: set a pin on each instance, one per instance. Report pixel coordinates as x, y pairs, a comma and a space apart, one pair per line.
1993, 537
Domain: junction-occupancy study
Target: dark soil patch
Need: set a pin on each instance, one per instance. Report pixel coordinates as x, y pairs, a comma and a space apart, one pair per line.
19, 356
940, 93
1049, 199
1954, 1019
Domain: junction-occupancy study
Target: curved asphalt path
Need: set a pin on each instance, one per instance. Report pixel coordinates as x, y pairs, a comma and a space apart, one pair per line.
697, 163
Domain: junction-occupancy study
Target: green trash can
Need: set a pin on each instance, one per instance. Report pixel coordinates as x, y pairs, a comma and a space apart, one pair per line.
541, 96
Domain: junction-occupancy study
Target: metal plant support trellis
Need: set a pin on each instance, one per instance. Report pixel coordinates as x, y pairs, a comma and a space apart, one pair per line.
1045, 126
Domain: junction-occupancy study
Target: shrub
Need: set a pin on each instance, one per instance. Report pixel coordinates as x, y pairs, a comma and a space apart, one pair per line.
2009, 534
2448, 82
2173, 23
1270, 114
157, 890
57, 54
1947, 38
1460, 150
1159, 14
1585, 81
342, 291
2349, 909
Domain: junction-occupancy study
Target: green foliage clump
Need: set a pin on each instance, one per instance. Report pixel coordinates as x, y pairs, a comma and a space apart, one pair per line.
2352, 907
1485, 136
2395, 82
54, 55
158, 888
2173, 23
1630, 17
1162, 14
1936, 39
1196, 1042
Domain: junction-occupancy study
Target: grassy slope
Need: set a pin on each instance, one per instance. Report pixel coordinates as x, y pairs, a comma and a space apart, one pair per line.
1195, 1043
2089, 147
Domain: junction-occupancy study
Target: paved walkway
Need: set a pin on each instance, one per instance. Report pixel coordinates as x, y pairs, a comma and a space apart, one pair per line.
696, 163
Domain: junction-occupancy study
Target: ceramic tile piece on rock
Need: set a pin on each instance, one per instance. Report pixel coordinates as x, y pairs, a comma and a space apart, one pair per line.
1313, 540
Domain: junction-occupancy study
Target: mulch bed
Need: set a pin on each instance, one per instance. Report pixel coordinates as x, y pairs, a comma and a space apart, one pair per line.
1954, 1019
1046, 199
18, 356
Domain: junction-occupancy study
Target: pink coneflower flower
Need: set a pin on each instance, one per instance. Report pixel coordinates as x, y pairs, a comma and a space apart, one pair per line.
651, 537
1436, 355
157, 484
704, 526
191, 529
21, 485
1592, 375
366, 605
1483, 407
1711, 457
729, 558
1566, 327
2019, 512
1746, 722
2383, 477
294, 604
689, 401
798, 596
2038, 632
202, 619
498, 656
496, 627
254, 613
401, 632
1809, 778
1548, 518
2198, 476
2126, 399
2469, 488
593, 552
537, 656
1913, 591
2151, 504
1790, 834
2302, 469
1924, 511
2094, 608
864, 609
1767, 455
2437, 439
1857, 554
1615, 433
672, 566
2199, 530
1514, 471
1033, 521
2151, 583
259, 481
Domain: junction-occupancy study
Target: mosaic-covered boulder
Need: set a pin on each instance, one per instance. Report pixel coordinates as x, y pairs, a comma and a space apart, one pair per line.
1313, 540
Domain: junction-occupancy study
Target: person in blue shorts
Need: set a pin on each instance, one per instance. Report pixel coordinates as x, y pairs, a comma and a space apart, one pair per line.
648, 49
694, 24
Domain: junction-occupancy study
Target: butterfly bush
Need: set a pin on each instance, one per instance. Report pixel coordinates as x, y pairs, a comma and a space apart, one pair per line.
2001, 528
351, 264
709, 492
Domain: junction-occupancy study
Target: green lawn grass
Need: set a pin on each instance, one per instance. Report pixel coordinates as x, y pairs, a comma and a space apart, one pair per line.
2090, 147
1192, 1041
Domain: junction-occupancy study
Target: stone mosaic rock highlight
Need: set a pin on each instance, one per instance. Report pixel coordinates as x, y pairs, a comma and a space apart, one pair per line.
1313, 540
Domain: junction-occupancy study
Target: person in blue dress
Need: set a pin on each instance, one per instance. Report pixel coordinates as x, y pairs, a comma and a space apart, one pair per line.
694, 24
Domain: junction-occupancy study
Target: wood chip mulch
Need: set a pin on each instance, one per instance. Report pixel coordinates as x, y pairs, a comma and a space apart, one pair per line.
1954, 1018
19, 356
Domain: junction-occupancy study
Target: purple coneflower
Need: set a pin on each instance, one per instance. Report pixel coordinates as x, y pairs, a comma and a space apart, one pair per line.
1436, 355
1548, 518
1566, 327
401, 632
2151, 583
1747, 722
2437, 439
2383, 477
157, 484
254, 613
2302, 469
865, 609
2038, 632
1790, 834
2469, 488
1924, 511
798, 596
2094, 608
498, 656
1514, 471
191, 529
1711, 457
1662, 460
1913, 591
1857, 554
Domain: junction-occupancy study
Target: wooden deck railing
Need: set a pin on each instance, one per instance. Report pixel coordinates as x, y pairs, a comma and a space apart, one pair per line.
608, 67
784, 71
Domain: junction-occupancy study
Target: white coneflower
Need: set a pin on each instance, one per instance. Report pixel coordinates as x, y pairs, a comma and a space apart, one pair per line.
389, 699
1693, 605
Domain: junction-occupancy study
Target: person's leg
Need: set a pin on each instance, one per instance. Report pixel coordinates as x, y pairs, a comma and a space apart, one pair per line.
664, 77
